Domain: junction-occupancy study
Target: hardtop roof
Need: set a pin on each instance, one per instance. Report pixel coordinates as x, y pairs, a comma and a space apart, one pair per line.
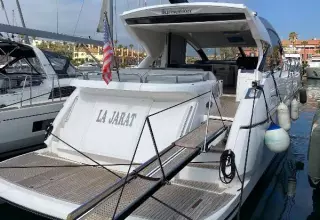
208, 24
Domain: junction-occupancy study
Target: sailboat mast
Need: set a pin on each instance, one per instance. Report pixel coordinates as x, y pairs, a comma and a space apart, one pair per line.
22, 21
110, 16
5, 12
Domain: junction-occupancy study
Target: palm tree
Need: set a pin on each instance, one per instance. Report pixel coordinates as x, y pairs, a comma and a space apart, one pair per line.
120, 46
304, 43
121, 53
126, 49
293, 37
131, 46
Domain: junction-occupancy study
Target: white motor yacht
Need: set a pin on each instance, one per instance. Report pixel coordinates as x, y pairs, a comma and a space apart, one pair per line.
313, 69
167, 142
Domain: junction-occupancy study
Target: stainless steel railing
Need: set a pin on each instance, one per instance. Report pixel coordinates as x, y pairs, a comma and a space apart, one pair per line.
40, 87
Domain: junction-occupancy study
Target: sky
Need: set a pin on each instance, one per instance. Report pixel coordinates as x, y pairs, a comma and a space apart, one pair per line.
286, 16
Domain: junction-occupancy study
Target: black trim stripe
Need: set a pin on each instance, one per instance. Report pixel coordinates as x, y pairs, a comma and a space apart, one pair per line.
184, 18
28, 116
29, 210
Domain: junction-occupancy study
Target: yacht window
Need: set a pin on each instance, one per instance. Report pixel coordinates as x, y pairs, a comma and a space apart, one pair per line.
61, 65
185, 18
191, 55
57, 63
71, 71
273, 59
25, 66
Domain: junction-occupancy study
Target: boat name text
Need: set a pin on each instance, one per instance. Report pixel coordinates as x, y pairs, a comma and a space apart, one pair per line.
176, 11
117, 118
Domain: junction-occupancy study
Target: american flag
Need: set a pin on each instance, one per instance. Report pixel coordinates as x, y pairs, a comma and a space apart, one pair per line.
107, 54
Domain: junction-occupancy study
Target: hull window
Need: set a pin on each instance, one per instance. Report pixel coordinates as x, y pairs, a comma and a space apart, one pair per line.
41, 125
62, 92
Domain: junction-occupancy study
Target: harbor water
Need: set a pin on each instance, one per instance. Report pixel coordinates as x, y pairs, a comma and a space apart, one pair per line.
283, 192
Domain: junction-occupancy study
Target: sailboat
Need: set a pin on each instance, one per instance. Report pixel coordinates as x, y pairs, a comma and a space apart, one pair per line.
34, 84
167, 142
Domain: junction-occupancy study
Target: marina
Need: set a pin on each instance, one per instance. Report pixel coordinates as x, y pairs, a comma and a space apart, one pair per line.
223, 136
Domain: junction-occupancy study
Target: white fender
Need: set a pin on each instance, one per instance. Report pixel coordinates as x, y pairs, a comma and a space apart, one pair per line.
294, 109
276, 139
283, 116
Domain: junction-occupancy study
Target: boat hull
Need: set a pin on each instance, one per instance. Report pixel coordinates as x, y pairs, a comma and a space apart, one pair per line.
25, 127
313, 72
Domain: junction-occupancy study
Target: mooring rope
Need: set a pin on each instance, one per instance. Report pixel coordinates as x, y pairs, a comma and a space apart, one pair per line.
247, 152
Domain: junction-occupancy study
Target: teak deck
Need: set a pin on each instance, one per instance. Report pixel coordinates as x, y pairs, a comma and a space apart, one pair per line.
98, 190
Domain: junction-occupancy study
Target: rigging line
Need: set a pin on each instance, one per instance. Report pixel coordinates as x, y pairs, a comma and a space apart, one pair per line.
188, 100
207, 122
247, 150
170, 207
266, 103
127, 175
219, 111
66, 166
6, 15
276, 86
156, 148
84, 155
74, 32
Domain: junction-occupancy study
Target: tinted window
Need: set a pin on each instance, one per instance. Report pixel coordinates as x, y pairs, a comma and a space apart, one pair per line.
57, 63
61, 65
274, 38
61, 92
171, 17
26, 66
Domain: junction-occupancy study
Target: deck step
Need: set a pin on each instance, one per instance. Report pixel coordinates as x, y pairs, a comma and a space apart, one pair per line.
211, 187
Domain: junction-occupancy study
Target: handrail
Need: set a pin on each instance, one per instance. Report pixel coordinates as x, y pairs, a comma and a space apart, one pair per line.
24, 84
7, 77
176, 76
33, 79
86, 75
144, 78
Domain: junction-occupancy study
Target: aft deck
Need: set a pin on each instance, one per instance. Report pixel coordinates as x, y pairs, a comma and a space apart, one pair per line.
46, 174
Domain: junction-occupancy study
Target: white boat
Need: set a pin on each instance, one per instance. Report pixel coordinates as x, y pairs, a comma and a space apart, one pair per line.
33, 86
293, 57
89, 67
155, 138
313, 69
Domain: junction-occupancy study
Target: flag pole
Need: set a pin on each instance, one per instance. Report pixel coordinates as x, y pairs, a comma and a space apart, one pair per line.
114, 52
